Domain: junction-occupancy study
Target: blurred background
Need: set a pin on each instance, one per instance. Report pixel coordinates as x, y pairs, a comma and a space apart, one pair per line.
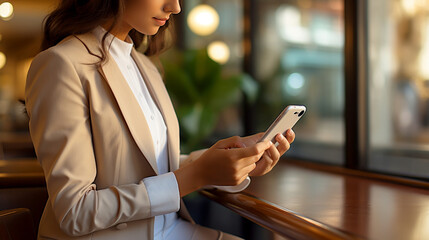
236, 64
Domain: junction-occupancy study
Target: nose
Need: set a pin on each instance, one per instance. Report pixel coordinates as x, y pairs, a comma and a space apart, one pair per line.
172, 6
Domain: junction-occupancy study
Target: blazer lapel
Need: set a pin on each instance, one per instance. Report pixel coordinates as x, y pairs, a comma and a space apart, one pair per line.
158, 92
127, 103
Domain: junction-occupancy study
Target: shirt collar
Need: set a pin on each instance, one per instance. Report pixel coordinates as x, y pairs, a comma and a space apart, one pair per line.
118, 47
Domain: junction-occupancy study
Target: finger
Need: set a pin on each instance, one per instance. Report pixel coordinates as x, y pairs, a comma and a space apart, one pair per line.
253, 151
284, 144
273, 153
232, 142
266, 161
242, 179
256, 135
242, 163
243, 157
252, 139
262, 166
290, 135
246, 170
259, 135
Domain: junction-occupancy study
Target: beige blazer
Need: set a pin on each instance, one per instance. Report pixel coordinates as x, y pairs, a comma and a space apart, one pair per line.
93, 142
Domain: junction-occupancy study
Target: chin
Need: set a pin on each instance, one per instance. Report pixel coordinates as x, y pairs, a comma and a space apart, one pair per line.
149, 32
153, 32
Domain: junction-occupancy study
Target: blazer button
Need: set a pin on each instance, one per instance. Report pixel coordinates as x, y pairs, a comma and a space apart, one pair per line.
121, 226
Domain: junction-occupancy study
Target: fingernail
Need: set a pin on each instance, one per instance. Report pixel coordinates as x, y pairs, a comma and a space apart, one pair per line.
290, 132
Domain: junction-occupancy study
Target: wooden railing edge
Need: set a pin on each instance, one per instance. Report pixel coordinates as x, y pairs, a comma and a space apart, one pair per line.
12, 180
281, 221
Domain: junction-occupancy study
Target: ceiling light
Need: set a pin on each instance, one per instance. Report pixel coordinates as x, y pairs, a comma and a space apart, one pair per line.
219, 52
2, 60
203, 20
6, 10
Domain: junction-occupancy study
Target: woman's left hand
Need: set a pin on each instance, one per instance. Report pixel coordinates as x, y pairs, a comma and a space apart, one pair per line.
273, 154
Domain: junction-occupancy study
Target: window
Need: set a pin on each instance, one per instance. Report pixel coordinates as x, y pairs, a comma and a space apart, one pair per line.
298, 59
398, 85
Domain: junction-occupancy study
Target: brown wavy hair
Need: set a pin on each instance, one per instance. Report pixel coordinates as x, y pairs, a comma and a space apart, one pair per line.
73, 17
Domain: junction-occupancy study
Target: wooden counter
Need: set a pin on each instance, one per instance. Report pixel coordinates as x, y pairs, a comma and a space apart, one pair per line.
16, 145
21, 172
314, 201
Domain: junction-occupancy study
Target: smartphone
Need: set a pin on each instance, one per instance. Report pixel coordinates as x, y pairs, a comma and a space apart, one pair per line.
286, 120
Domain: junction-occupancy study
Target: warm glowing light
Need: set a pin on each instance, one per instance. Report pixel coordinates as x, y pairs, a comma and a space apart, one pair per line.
424, 63
6, 10
203, 20
219, 52
288, 21
409, 6
2, 60
424, 55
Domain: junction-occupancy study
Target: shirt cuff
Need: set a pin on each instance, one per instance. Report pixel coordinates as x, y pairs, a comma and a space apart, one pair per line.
232, 189
164, 195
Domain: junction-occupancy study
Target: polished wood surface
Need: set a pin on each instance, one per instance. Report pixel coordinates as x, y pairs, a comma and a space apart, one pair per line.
350, 203
281, 221
22, 172
16, 145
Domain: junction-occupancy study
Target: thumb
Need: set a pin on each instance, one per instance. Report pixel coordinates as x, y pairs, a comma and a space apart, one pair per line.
256, 150
232, 142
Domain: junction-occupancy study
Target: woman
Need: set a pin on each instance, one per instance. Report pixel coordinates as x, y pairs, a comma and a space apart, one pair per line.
106, 134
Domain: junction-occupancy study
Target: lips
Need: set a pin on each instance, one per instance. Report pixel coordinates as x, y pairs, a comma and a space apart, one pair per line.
160, 21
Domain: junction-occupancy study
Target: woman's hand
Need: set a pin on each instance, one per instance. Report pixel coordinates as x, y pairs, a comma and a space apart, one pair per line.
272, 155
228, 162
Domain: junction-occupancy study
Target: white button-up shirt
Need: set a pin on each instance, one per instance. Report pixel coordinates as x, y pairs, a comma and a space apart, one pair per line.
163, 189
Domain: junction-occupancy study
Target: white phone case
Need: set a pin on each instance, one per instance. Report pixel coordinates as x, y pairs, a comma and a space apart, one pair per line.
286, 120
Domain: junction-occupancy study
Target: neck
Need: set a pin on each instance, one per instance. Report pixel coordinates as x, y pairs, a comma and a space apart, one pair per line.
120, 31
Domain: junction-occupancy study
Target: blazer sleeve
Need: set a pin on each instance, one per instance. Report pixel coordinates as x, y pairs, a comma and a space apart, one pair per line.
58, 109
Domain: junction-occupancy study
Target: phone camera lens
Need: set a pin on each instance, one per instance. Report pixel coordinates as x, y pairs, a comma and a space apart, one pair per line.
300, 114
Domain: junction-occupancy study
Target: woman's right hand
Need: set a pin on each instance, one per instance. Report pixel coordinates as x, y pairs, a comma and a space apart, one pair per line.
228, 162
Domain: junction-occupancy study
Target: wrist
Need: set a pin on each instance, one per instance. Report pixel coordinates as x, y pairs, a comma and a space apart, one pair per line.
189, 179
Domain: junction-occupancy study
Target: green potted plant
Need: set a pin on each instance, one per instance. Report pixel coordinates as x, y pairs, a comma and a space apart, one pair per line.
200, 91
